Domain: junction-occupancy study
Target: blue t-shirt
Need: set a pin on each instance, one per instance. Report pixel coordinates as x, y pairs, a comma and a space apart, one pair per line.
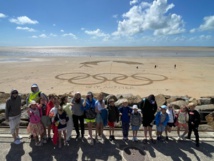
90, 104
125, 114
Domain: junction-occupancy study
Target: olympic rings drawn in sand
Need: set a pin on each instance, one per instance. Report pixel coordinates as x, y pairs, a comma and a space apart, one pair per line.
101, 78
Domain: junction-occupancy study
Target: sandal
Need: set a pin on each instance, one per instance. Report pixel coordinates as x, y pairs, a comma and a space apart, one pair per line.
145, 141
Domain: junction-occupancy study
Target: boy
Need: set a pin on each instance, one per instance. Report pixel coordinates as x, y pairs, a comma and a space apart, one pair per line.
161, 120
194, 120
125, 112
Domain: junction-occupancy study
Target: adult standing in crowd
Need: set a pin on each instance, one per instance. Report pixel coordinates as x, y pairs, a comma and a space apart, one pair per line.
13, 114
148, 108
78, 114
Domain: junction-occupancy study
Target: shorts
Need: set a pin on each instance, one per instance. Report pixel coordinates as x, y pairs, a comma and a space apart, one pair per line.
14, 123
135, 128
111, 124
89, 120
46, 121
182, 125
170, 124
160, 128
99, 119
148, 123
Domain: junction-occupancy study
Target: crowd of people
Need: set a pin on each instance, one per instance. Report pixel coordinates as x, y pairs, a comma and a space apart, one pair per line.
63, 115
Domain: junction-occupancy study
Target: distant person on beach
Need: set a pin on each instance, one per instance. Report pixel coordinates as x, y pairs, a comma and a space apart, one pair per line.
193, 123
67, 107
161, 120
35, 126
125, 113
175, 66
90, 114
78, 114
100, 117
155, 66
36, 94
13, 114
148, 108
113, 117
135, 120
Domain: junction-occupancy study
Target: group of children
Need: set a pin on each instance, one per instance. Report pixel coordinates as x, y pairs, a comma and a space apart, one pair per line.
63, 115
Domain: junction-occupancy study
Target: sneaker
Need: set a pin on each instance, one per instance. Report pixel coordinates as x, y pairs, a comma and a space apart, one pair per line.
77, 137
197, 144
167, 138
17, 142
136, 140
110, 138
82, 136
133, 139
19, 137
153, 141
158, 138
187, 137
113, 137
145, 141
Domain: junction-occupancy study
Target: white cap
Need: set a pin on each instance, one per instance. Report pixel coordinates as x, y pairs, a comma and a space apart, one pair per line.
134, 107
34, 85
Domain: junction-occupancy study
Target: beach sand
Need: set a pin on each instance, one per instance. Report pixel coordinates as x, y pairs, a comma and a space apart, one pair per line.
193, 76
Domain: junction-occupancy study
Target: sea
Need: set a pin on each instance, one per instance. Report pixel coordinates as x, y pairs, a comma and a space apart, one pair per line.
26, 52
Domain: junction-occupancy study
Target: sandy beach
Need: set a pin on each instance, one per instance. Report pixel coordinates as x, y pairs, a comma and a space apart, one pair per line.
193, 76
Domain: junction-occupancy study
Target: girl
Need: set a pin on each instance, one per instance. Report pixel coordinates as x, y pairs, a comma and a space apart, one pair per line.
90, 114
67, 108
135, 121
183, 118
61, 120
171, 113
35, 126
113, 116
99, 106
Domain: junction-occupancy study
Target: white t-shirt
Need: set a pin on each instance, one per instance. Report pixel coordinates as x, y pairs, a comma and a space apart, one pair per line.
54, 111
170, 113
99, 106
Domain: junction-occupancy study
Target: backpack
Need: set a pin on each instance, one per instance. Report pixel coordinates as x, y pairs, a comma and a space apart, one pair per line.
90, 113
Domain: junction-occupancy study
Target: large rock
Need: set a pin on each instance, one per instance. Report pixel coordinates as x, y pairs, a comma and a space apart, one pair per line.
2, 117
24, 115
177, 98
5, 123
160, 100
2, 110
210, 119
205, 101
179, 104
111, 96
23, 123
209, 107
195, 101
130, 97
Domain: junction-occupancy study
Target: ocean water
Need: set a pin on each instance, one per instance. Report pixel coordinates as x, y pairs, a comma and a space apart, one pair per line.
24, 52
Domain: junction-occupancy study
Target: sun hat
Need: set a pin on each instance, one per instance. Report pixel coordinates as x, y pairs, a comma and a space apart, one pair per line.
125, 101
134, 107
32, 103
163, 107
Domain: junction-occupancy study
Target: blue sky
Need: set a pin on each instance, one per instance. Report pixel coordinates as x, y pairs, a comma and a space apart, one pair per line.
107, 23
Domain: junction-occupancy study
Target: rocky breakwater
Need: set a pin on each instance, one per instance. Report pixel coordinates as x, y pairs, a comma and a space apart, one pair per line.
204, 105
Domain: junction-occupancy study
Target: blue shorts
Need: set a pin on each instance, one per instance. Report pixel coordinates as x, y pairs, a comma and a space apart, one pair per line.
99, 119
160, 128
135, 128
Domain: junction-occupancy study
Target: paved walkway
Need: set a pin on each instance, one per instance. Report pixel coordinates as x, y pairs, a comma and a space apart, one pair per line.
118, 150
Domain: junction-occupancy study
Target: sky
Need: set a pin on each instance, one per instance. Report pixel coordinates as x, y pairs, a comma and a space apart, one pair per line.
107, 23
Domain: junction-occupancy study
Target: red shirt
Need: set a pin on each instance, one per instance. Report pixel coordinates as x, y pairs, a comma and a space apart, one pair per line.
49, 105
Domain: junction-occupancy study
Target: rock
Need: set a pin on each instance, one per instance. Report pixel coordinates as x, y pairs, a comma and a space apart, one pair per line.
23, 123
2, 117
111, 96
160, 100
119, 102
195, 101
178, 104
210, 119
24, 115
131, 98
177, 98
167, 96
205, 101
209, 107
5, 123
2, 110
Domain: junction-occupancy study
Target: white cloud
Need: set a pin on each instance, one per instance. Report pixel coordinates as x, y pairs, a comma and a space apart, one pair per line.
82, 28
150, 16
34, 36
61, 30
43, 36
25, 28
193, 30
96, 33
115, 16
133, 2
205, 37
23, 20
52, 35
208, 23
2, 15
70, 35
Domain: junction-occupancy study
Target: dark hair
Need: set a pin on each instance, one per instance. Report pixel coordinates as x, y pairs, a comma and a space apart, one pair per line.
63, 100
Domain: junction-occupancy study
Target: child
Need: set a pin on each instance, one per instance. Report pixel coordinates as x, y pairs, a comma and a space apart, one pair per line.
194, 120
170, 111
61, 120
113, 116
182, 121
135, 121
161, 120
67, 107
35, 126
125, 112
99, 106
